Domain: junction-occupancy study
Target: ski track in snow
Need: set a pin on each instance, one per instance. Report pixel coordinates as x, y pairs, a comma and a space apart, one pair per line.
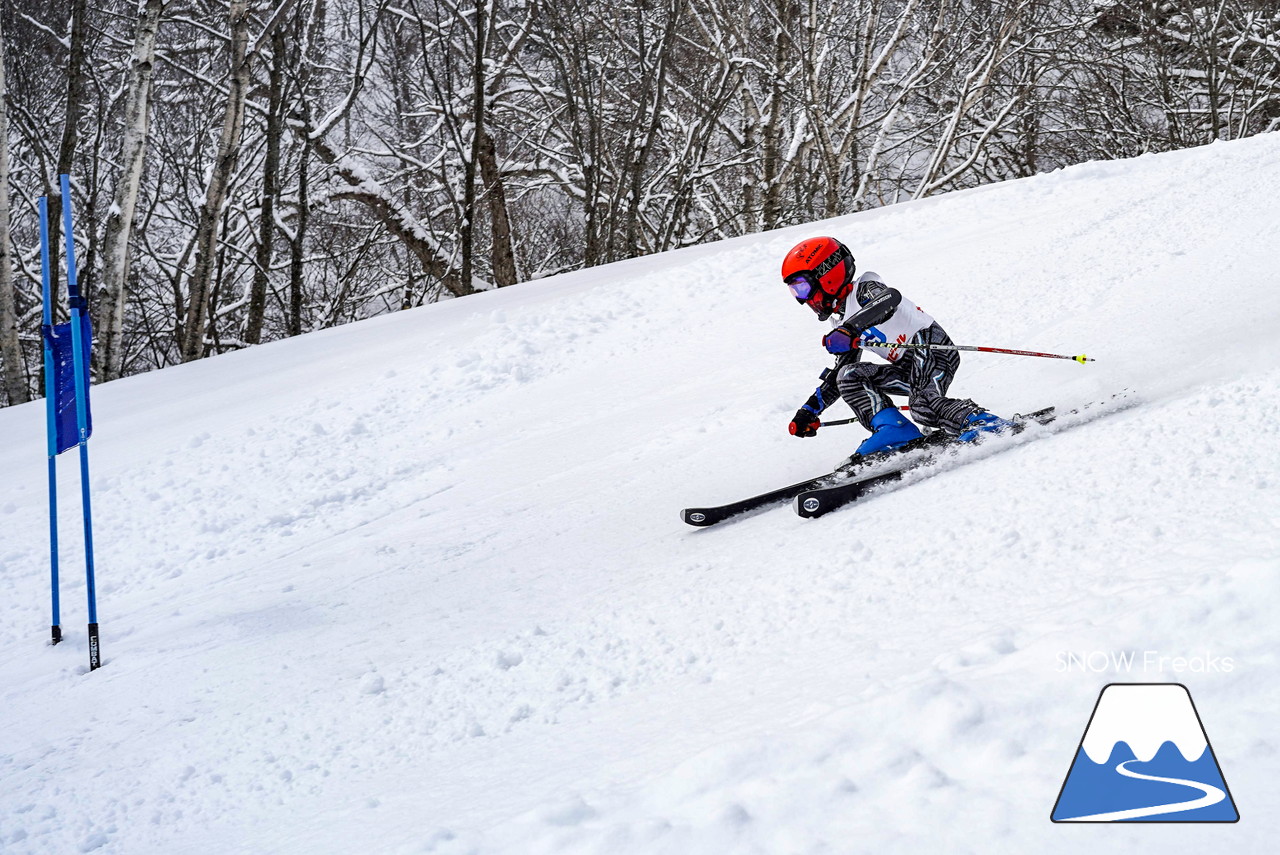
417, 584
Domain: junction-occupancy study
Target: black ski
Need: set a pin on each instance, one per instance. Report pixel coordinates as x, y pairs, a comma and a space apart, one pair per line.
851, 469
720, 513
824, 498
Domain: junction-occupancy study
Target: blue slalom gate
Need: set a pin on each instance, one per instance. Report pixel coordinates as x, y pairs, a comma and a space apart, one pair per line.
67, 351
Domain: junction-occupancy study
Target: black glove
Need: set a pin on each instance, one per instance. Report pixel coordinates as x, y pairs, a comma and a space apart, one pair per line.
805, 423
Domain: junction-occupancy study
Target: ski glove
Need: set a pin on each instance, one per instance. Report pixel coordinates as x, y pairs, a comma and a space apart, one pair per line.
840, 340
805, 423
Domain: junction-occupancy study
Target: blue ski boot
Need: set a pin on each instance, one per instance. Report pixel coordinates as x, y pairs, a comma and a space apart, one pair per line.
983, 422
889, 429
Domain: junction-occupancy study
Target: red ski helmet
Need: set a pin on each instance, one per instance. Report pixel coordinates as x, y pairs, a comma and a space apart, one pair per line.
819, 273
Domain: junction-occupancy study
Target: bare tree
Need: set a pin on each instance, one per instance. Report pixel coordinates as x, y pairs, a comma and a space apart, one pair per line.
15, 381
382, 155
200, 282
986, 58
75, 104
133, 151
270, 189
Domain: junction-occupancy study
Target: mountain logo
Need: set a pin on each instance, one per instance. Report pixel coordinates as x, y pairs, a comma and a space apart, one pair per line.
1145, 757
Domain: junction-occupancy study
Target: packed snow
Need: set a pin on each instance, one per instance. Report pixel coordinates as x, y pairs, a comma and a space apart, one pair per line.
419, 585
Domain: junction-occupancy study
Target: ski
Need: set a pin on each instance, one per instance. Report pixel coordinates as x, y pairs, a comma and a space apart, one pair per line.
825, 498
858, 475
719, 513
854, 468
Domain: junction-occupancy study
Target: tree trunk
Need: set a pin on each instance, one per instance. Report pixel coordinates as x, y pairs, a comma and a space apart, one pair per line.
398, 219
750, 221
504, 257
771, 162
270, 187
133, 152
70, 133
653, 94
467, 228
298, 243
216, 191
14, 376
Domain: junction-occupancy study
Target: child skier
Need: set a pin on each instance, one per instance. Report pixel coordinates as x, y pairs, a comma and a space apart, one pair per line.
819, 273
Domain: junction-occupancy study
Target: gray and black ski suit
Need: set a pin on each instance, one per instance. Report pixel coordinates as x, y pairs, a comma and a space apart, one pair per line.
922, 376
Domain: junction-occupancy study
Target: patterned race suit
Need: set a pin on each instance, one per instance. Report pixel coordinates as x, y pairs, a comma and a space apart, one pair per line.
922, 376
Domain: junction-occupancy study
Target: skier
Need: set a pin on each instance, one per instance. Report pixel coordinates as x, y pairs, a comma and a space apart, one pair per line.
819, 273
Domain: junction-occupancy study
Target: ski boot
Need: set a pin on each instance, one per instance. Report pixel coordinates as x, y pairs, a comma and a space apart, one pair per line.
889, 430
891, 435
983, 422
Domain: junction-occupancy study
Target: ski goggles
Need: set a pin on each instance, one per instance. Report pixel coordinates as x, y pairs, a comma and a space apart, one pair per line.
803, 285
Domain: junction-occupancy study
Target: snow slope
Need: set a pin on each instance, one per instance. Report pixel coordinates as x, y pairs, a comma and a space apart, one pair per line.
418, 584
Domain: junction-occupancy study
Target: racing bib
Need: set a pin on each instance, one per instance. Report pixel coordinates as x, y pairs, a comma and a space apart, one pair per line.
907, 320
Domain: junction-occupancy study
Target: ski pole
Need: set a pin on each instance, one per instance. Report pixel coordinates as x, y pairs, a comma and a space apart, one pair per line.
80, 358
1082, 359
854, 421
51, 418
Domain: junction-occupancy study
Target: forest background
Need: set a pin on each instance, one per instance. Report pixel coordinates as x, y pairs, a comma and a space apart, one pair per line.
248, 171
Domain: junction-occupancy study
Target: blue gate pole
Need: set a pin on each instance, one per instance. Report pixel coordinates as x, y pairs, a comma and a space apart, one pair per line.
51, 413
78, 304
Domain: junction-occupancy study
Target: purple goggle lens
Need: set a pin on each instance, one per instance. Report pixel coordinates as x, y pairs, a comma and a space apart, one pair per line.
802, 285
